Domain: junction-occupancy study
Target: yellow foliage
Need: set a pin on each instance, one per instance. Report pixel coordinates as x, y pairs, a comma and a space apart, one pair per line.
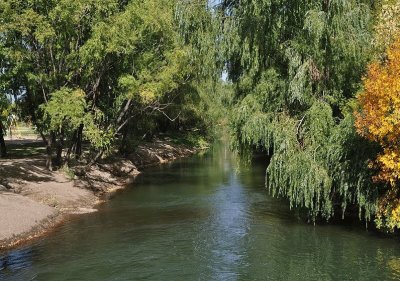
388, 26
379, 120
147, 96
394, 264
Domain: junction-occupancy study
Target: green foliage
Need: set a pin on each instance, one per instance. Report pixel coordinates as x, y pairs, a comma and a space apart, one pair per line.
4, 106
199, 28
294, 73
192, 139
110, 67
117, 72
65, 109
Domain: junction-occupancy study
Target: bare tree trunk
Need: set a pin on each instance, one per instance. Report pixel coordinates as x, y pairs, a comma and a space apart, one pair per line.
60, 147
123, 147
78, 146
49, 151
72, 145
96, 158
31, 107
3, 149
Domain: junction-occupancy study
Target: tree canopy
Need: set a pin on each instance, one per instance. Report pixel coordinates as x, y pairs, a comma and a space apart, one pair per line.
107, 72
97, 70
377, 114
296, 65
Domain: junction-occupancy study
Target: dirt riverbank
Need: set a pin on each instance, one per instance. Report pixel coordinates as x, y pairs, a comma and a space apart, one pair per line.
33, 200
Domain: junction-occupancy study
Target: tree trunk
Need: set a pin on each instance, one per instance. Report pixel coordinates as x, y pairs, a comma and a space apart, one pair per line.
60, 147
49, 151
123, 148
3, 149
32, 111
78, 146
72, 145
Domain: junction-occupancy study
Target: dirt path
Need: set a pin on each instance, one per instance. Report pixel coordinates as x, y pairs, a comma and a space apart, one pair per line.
18, 208
31, 197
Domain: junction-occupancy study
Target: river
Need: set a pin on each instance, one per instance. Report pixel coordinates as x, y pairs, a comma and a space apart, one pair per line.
202, 218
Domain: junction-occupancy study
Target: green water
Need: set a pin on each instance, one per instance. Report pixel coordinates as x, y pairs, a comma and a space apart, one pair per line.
201, 219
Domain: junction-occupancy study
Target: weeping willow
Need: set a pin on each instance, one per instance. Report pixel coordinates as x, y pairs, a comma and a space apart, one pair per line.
296, 65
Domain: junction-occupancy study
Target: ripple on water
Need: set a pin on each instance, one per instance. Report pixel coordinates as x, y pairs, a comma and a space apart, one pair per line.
199, 220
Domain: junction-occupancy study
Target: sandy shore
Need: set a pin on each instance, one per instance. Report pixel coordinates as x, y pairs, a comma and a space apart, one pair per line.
33, 199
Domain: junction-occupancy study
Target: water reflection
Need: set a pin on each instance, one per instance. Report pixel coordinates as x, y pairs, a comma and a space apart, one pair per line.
199, 220
16, 260
221, 236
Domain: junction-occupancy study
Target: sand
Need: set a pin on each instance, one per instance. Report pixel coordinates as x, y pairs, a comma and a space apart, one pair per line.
20, 214
31, 196
32, 199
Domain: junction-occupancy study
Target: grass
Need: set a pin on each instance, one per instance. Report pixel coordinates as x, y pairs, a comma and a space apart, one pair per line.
25, 149
193, 139
68, 172
23, 130
23, 142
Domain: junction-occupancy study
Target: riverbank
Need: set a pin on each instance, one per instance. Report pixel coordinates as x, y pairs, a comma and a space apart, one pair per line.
34, 200
203, 218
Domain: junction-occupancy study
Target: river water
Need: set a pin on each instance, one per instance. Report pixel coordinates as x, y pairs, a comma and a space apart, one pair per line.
202, 218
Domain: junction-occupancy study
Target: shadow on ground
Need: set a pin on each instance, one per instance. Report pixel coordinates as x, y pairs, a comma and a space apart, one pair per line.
19, 170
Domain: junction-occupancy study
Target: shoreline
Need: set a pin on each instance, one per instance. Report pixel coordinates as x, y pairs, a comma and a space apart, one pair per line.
43, 200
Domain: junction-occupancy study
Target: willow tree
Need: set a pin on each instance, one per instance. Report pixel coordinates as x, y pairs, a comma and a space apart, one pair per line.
295, 65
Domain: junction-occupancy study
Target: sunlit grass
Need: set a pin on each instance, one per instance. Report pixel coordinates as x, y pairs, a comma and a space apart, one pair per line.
25, 149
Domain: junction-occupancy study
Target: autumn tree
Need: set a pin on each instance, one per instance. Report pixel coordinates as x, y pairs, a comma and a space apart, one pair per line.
387, 25
378, 119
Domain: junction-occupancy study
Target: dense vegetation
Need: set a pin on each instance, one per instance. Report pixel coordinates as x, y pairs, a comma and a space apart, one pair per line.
110, 72
295, 72
297, 67
377, 118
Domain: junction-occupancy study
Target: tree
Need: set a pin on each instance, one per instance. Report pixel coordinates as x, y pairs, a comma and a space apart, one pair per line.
89, 69
3, 115
387, 25
295, 66
378, 120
